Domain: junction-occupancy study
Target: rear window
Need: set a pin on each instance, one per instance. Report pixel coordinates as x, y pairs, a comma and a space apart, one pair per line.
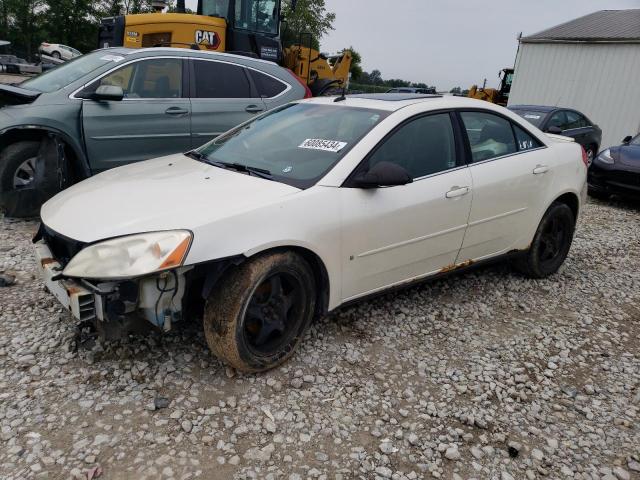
532, 116
267, 86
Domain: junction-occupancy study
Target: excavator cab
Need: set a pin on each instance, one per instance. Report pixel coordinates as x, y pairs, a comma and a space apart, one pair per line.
253, 26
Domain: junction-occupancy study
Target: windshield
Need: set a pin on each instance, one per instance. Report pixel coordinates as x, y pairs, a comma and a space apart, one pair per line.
214, 8
532, 116
298, 143
258, 15
67, 73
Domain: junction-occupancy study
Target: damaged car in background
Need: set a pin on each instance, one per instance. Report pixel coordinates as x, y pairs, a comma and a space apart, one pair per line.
307, 208
117, 106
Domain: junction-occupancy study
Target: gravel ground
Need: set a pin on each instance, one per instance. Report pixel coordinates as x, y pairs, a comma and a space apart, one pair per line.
483, 375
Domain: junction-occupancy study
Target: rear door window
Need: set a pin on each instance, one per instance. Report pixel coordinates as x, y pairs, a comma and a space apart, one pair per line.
558, 119
575, 120
267, 86
489, 135
220, 80
525, 140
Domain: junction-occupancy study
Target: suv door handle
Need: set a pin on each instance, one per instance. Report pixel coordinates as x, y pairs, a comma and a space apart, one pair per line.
176, 111
254, 109
456, 192
540, 169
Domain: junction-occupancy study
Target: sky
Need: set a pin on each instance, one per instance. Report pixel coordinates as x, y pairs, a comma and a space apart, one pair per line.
446, 43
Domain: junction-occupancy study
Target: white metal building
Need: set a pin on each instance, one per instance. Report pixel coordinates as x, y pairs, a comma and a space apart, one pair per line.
591, 64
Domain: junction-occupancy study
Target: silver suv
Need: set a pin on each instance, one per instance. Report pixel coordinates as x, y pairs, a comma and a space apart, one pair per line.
116, 106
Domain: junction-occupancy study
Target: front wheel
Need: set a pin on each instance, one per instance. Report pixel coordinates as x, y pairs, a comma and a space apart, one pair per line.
256, 316
56, 55
18, 194
551, 243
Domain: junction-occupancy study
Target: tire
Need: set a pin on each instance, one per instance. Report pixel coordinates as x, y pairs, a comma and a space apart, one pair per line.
257, 315
551, 243
56, 55
12, 159
598, 195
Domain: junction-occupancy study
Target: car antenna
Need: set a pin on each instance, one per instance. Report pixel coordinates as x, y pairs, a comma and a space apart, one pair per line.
342, 97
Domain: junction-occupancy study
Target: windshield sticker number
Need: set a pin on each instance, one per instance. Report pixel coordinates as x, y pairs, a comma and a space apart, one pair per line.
531, 116
324, 145
112, 58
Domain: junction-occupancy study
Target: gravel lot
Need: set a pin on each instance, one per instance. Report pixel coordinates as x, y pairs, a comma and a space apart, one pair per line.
483, 375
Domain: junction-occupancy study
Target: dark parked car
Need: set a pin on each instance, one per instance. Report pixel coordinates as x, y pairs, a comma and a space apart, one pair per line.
563, 121
616, 171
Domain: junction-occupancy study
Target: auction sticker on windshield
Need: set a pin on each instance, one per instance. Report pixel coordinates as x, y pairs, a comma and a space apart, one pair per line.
324, 145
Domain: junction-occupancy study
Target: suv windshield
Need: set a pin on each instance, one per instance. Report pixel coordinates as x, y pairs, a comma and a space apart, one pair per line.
297, 144
532, 116
67, 73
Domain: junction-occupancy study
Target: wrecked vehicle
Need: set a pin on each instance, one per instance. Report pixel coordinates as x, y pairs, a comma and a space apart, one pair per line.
118, 106
306, 208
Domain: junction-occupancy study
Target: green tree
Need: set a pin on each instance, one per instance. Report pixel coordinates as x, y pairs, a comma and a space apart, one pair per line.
456, 90
309, 17
356, 60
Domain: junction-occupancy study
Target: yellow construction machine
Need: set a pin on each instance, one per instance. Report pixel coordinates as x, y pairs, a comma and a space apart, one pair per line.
244, 27
500, 95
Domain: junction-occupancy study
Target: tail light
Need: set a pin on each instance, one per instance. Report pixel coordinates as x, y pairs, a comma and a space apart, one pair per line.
585, 159
307, 90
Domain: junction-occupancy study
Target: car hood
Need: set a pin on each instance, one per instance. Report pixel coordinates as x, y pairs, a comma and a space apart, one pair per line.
628, 155
167, 193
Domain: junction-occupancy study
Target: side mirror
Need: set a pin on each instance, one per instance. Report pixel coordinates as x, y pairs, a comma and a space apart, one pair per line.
555, 130
627, 139
108, 92
383, 174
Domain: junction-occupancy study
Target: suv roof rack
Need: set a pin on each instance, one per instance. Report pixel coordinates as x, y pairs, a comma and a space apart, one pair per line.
395, 97
192, 46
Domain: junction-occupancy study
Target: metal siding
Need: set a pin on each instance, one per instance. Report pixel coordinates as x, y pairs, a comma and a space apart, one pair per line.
596, 79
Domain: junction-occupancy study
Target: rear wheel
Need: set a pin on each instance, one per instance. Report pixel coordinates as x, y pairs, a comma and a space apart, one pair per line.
551, 243
257, 315
56, 55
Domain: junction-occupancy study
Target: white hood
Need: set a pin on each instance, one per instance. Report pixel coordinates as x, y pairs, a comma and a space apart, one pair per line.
167, 193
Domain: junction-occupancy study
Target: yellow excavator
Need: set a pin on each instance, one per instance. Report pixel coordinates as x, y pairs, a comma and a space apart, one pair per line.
244, 27
500, 95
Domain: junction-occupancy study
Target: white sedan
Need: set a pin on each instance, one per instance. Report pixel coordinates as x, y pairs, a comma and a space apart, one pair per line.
306, 208
57, 50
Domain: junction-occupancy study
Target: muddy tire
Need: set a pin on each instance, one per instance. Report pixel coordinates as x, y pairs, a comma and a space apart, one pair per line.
551, 243
258, 312
17, 162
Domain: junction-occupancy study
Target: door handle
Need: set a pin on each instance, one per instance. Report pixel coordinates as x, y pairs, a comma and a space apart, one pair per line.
456, 192
540, 169
254, 109
176, 111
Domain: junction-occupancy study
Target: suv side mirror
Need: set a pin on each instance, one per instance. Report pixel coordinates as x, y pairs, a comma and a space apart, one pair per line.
555, 130
627, 139
108, 92
383, 174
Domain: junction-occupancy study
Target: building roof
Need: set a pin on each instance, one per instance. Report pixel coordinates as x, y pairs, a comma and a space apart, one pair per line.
604, 26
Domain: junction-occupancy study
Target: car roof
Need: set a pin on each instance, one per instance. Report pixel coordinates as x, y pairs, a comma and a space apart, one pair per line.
534, 108
188, 52
395, 101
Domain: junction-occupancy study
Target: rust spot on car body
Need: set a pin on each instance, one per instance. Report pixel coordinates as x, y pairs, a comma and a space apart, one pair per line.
73, 290
47, 261
453, 267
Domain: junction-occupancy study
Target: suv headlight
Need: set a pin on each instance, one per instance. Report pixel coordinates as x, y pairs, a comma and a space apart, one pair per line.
606, 157
131, 256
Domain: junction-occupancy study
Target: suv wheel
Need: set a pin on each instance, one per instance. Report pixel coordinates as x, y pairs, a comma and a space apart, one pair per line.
551, 243
258, 313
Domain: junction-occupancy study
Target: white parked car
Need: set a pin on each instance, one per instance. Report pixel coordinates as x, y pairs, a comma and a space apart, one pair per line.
306, 208
58, 50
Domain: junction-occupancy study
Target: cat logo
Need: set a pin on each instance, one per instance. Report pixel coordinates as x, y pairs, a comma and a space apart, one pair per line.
210, 40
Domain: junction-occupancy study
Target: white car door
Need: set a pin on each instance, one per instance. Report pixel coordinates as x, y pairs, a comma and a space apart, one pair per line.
511, 172
392, 235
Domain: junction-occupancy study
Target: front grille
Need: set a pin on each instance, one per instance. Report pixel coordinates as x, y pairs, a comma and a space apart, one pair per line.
62, 248
87, 307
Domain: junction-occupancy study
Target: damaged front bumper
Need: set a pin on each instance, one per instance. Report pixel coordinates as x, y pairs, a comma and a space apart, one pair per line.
116, 307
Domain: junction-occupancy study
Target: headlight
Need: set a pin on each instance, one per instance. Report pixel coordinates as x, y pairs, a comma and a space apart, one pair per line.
131, 256
605, 157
